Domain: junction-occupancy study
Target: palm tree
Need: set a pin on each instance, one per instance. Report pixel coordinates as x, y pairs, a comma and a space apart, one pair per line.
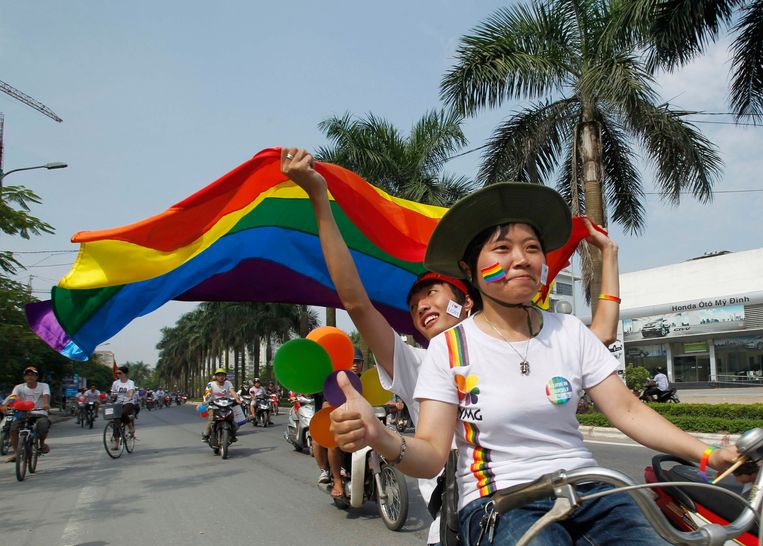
409, 167
593, 100
675, 32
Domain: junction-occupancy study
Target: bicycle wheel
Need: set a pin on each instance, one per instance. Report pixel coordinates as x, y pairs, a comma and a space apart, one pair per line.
112, 436
129, 440
21, 457
34, 453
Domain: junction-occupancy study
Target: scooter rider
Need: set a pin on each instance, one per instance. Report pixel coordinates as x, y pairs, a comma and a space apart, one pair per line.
218, 388
658, 386
94, 395
436, 302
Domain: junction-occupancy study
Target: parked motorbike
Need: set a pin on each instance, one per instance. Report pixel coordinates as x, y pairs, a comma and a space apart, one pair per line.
297, 431
663, 397
223, 432
274, 403
5, 431
370, 478
262, 411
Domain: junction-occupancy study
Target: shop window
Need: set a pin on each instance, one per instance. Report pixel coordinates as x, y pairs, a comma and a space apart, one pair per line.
563, 289
739, 359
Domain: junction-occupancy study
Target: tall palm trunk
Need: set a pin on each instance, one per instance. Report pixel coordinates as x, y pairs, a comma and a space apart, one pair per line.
256, 355
331, 316
269, 355
590, 154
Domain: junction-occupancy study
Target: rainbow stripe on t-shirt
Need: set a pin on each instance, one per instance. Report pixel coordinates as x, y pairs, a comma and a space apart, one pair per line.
480, 466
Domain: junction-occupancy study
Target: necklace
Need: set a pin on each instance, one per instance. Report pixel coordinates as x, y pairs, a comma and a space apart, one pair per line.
524, 365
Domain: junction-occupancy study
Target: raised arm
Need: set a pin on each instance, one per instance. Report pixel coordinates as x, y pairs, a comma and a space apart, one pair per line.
371, 324
605, 319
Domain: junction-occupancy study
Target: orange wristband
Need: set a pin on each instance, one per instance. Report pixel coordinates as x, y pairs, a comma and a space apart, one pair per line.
610, 298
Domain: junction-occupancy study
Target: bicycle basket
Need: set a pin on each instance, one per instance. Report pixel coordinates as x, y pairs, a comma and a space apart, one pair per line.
113, 411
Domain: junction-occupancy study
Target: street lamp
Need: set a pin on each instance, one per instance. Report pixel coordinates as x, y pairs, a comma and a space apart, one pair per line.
54, 165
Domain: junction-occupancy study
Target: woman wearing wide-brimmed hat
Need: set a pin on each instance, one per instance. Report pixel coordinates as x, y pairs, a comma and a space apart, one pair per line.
507, 380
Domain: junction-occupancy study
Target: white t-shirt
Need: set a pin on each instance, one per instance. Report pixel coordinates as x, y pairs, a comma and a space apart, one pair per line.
258, 392
218, 391
25, 394
121, 389
661, 380
407, 364
512, 428
92, 396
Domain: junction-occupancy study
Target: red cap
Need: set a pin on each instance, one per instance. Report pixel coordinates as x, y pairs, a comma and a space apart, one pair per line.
31, 369
436, 277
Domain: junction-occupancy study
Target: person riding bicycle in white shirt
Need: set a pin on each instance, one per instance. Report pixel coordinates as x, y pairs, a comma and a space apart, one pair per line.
39, 393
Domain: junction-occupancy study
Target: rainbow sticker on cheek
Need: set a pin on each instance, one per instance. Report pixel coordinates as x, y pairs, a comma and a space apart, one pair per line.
493, 273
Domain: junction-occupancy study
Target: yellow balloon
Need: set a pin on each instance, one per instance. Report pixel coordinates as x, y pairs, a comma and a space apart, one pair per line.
372, 388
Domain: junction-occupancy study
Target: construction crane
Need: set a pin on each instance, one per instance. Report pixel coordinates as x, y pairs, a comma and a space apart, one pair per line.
29, 101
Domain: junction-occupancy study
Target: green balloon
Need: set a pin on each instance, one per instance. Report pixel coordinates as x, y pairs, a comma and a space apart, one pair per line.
301, 365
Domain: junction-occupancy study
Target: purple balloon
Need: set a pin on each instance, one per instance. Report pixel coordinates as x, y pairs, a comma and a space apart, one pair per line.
333, 392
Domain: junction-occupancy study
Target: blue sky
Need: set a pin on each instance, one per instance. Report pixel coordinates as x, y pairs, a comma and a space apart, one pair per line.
161, 98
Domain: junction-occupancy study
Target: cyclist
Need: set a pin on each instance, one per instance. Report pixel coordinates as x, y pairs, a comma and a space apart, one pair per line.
39, 393
218, 388
123, 390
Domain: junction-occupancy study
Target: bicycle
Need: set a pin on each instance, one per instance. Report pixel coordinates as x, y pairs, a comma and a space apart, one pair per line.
561, 485
29, 445
115, 433
5, 432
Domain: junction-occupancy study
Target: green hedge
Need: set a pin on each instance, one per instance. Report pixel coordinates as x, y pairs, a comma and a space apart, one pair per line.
697, 417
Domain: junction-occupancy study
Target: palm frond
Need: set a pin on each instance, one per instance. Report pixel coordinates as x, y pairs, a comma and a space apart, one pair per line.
526, 146
434, 138
747, 65
517, 52
619, 78
685, 160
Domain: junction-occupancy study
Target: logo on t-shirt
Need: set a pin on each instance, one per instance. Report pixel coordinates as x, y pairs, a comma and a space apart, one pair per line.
558, 390
467, 388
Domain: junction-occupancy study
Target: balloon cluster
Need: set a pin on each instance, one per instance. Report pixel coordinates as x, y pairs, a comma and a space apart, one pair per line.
311, 365
203, 410
25, 405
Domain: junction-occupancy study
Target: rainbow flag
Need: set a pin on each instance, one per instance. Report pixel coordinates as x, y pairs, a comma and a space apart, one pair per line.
249, 236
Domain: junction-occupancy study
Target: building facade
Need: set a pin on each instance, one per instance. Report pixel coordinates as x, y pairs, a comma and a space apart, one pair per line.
701, 320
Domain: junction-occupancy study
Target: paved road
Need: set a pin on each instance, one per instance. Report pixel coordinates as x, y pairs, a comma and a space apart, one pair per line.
173, 490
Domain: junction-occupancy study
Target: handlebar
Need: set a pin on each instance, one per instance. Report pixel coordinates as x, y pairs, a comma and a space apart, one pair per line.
561, 485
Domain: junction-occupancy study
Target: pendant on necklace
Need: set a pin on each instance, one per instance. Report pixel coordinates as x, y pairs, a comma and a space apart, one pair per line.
524, 367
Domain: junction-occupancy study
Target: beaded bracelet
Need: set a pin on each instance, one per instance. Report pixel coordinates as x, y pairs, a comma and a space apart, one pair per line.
610, 297
703, 461
403, 448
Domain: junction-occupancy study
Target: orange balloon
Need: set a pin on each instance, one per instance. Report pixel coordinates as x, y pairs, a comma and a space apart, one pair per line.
319, 427
337, 344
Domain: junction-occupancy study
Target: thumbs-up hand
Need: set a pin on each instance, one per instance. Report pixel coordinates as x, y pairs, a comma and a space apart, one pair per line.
353, 424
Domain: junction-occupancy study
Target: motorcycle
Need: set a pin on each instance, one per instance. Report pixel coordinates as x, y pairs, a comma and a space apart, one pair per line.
90, 414
246, 405
397, 417
150, 403
167, 401
688, 508
297, 431
371, 478
274, 403
668, 396
178, 401
5, 431
223, 432
261, 411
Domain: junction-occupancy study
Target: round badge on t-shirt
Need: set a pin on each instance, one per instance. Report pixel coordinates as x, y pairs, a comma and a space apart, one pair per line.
558, 390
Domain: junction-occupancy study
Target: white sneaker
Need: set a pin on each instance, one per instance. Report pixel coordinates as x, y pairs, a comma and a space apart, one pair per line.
325, 477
